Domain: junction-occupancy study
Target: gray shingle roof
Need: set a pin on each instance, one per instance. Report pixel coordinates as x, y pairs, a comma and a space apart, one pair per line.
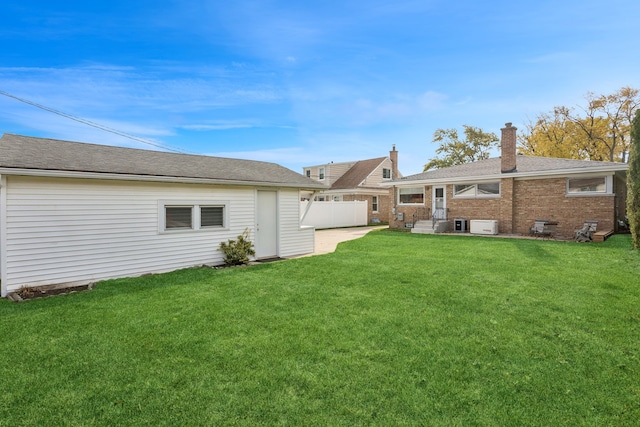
525, 166
357, 173
23, 152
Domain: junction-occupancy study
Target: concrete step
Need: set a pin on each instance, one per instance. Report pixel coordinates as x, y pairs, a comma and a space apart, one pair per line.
423, 227
427, 227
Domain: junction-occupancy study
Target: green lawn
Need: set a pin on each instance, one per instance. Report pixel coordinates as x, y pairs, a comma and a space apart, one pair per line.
391, 329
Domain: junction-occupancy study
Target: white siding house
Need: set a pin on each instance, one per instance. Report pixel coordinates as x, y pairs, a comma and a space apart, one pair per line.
74, 213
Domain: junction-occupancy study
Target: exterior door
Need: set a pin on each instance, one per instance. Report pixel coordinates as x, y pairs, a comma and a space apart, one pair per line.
267, 225
439, 203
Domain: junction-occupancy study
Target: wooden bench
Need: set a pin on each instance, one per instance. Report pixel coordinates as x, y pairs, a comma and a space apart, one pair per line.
601, 236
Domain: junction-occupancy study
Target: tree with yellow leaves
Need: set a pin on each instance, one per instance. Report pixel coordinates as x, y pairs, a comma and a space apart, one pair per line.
599, 131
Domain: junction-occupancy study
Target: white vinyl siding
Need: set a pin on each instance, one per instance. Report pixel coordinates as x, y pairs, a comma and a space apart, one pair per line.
78, 230
294, 240
377, 176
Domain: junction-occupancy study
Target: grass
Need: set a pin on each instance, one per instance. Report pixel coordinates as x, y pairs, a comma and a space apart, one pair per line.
392, 329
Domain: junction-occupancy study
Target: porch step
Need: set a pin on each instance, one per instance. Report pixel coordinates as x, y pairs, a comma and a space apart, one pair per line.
423, 227
427, 227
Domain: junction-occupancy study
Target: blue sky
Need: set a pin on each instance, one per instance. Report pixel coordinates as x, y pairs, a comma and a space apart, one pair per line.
304, 83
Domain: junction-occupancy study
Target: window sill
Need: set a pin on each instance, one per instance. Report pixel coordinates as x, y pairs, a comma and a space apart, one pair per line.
589, 194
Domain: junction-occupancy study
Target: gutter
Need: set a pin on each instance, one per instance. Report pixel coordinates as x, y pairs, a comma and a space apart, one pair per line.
517, 175
152, 178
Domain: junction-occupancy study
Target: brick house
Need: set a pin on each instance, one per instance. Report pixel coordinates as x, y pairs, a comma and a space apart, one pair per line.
514, 190
359, 180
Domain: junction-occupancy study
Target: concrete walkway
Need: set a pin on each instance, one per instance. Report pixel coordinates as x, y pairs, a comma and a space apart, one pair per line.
327, 240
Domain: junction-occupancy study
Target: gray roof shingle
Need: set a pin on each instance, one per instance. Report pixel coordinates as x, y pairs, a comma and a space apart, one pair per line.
24, 152
525, 165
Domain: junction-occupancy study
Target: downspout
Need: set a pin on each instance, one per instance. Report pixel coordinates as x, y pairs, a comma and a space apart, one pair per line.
3, 236
306, 211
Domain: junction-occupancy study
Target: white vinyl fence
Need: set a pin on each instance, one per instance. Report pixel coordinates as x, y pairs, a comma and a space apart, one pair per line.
335, 214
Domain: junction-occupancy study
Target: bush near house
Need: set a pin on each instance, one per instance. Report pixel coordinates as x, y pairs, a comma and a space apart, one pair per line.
238, 251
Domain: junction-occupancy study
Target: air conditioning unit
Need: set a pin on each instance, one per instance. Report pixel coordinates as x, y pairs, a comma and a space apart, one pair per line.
483, 226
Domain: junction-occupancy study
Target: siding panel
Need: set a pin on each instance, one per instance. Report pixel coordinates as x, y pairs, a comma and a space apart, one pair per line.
73, 230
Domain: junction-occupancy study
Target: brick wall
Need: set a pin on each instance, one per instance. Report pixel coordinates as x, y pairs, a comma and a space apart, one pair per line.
546, 199
523, 201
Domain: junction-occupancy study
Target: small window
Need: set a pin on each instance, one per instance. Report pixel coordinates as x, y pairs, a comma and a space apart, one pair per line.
374, 204
321, 173
464, 190
191, 216
211, 216
412, 196
178, 217
337, 198
386, 173
308, 173
489, 189
484, 189
587, 185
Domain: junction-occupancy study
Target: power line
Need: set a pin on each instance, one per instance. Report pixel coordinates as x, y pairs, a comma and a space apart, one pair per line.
92, 124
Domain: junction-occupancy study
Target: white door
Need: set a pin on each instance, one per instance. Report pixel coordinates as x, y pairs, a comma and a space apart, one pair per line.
267, 226
439, 203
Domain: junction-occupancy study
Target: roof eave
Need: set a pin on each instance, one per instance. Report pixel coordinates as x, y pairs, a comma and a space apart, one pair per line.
152, 178
519, 175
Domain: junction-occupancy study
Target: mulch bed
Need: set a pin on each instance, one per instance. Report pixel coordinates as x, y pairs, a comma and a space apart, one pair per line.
29, 293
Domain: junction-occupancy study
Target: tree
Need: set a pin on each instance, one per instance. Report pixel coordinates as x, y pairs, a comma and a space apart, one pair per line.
633, 182
599, 131
551, 136
476, 146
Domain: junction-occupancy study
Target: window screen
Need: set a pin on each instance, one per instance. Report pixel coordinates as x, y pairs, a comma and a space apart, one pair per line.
178, 217
211, 216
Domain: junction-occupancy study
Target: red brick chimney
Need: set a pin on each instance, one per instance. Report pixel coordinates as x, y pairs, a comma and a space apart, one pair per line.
508, 148
393, 155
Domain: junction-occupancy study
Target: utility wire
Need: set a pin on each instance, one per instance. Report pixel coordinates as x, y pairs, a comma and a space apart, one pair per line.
92, 124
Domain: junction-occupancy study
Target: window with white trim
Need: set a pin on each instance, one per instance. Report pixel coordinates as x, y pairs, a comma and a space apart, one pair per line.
374, 204
411, 196
386, 173
308, 173
178, 217
191, 216
479, 190
589, 185
321, 173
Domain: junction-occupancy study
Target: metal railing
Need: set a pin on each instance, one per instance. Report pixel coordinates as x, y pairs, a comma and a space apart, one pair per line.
421, 214
439, 214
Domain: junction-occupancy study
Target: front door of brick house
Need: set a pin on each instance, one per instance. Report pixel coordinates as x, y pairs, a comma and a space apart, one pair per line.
439, 203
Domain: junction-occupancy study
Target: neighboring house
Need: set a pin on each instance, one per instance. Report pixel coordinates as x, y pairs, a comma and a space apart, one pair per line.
73, 213
515, 190
359, 180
